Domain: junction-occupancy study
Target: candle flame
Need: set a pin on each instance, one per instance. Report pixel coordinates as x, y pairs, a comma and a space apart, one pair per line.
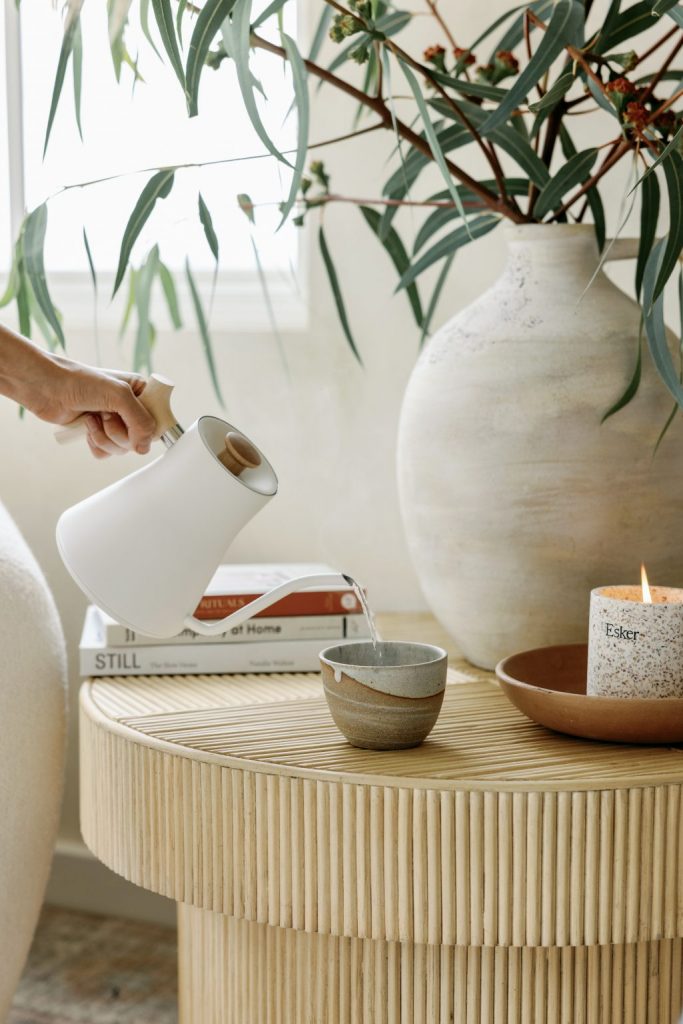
647, 596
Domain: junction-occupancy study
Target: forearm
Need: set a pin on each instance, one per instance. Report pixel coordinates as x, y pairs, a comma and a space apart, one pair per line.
25, 369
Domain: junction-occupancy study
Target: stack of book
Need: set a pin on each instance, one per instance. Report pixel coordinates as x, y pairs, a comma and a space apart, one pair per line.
287, 637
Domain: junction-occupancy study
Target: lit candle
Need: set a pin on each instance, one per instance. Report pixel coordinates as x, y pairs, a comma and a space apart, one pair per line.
635, 641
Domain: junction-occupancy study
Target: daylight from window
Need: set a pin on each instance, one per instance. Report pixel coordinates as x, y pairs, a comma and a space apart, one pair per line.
137, 125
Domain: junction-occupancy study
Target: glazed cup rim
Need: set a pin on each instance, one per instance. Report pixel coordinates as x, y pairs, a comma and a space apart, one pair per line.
439, 655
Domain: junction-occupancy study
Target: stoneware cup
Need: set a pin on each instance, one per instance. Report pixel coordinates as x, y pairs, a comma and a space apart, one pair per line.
384, 698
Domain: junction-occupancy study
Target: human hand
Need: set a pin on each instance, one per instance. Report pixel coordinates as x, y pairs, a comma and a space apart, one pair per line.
60, 390
115, 420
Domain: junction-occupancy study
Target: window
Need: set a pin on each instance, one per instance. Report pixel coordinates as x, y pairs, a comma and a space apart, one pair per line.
129, 126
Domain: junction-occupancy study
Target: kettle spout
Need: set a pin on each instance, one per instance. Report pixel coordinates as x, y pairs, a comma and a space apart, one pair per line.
215, 627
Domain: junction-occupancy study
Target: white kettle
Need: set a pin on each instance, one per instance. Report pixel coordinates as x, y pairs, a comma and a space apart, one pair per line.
144, 548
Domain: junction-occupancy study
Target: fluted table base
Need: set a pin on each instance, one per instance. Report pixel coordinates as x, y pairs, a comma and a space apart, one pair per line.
238, 972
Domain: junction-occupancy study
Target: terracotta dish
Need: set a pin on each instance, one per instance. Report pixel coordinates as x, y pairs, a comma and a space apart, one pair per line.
548, 685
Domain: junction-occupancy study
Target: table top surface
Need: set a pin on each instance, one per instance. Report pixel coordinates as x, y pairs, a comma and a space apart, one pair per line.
280, 725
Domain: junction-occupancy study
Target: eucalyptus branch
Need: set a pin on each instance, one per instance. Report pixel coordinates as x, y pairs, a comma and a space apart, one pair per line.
405, 132
552, 132
665, 105
655, 46
210, 163
618, 150
658, 76
488, 151
576, 55
445, 204
432, 4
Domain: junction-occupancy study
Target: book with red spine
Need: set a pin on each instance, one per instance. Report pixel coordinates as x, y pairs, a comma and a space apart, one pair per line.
233, 586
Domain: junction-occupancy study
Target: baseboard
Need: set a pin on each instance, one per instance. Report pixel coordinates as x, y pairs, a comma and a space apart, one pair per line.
79, 881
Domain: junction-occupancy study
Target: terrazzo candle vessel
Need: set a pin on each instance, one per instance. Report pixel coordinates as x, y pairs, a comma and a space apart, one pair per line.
635, 646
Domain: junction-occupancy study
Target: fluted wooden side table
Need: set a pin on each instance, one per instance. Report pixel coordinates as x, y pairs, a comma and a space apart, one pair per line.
499, 874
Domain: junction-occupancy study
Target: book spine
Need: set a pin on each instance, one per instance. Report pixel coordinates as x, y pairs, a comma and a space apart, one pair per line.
304, 603
205, 659
292, 627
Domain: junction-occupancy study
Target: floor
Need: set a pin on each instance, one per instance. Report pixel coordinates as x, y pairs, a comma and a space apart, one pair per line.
97, 970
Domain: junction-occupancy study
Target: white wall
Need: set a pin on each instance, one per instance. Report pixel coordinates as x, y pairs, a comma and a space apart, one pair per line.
329, 427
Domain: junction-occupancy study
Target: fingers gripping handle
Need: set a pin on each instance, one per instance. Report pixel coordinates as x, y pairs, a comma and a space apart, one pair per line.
156, 398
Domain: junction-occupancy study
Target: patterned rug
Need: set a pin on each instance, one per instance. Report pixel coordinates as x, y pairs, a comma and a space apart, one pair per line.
97, 970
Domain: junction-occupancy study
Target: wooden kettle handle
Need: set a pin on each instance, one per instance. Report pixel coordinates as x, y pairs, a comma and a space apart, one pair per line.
156, 399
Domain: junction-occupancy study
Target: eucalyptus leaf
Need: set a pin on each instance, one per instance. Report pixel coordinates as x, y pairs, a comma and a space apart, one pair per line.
564, 28
672, 147
431, 308
170, 294
432, 136
671, 417
575, 171
268, 12
130, 302
144, 339
404, 189
336, 292
33, 243
23, 291
654, 323
163, 15
478, 90
263, 281
629, 23
592, 195
515, 33
660, 7
91, 264
77, 68
207, 224
11, 288
506, 137
477, 227
144, 25
179, 14
397, 254
555, 93
676, 14
207, 27
71, 26
673, 172
300, 81
442, 216
631, 389
158, 187
320, 32
203, 331
649, 216
236, 33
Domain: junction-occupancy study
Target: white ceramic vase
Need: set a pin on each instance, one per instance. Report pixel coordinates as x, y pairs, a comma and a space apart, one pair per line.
516, 500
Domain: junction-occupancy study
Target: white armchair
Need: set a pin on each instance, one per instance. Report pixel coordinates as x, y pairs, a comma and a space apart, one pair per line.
32, 742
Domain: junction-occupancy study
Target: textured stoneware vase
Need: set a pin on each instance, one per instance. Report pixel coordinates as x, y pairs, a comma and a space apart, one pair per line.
516, 500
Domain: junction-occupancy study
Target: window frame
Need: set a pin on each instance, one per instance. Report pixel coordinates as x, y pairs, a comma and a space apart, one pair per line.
239, 303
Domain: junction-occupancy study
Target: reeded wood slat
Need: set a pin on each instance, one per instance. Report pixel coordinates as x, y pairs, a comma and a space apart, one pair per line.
499, 873
522, 867
266, 975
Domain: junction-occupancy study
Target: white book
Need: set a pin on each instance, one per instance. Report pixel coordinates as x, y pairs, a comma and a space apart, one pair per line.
111, 633
97, 659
